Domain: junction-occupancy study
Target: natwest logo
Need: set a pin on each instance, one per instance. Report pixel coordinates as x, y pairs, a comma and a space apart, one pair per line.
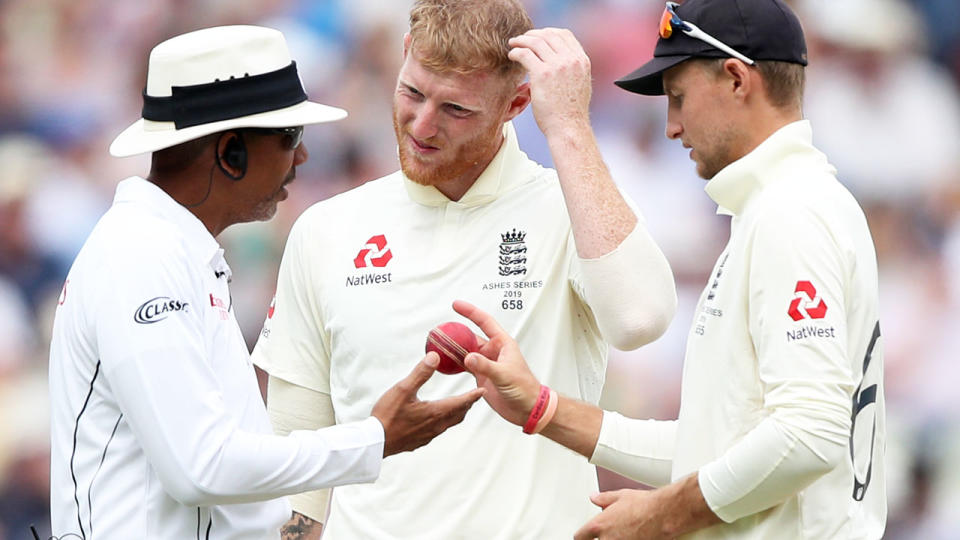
806, 304
375, 253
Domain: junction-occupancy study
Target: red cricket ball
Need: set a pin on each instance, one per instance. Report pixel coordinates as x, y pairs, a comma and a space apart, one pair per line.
452, 341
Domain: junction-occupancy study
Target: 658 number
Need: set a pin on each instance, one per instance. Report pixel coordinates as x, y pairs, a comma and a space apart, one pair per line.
512, 304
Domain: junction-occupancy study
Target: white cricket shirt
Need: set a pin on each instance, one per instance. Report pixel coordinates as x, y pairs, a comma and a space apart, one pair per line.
158, 429
786, 337
368, 273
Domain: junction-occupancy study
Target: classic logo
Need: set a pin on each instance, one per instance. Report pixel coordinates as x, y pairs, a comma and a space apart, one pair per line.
806, 304
513, 253
158, 309
375, 253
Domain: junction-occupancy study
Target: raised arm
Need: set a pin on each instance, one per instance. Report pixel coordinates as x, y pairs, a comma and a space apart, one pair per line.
560, 89
625, 279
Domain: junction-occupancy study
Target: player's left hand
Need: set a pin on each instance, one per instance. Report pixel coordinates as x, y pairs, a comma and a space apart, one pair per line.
627, 513
560, 82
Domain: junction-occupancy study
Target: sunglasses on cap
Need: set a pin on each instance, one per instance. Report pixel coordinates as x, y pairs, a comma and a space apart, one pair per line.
670, 21
292, 136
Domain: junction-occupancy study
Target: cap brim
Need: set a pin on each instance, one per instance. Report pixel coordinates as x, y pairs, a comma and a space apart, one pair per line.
147, 136
648, 78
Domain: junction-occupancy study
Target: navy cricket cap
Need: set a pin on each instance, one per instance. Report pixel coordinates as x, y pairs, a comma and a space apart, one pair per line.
757, 29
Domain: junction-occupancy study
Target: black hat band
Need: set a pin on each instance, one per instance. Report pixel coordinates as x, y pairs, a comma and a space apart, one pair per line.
224, 100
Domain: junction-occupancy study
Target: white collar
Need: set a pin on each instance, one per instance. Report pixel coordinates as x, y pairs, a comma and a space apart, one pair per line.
197, 239
734, 186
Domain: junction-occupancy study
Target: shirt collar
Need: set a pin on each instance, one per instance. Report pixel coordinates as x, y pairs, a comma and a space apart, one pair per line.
197, 239
734, 186
493, 181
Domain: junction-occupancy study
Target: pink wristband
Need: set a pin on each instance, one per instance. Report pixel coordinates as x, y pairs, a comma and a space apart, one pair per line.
539, 407
548, 414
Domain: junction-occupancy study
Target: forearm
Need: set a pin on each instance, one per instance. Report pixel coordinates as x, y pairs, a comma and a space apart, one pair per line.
684, 508
300, 527
638, 449
292, 408
575, 425
252, 467
770, 464
599, 215
202, 458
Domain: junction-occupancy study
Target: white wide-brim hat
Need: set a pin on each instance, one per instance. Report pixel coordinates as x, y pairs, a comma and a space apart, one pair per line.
217, 79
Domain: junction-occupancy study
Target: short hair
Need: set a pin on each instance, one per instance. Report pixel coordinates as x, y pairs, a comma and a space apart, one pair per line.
784, 81
467, 36
176, 159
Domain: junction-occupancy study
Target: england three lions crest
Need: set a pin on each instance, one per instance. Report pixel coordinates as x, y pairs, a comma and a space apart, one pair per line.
513, 253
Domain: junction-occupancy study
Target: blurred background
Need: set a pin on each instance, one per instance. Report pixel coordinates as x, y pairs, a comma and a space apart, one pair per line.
882, 95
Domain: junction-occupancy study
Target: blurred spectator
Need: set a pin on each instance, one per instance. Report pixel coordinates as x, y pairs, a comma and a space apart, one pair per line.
893, 115
23, 261
24, 455
17, 340
944, 39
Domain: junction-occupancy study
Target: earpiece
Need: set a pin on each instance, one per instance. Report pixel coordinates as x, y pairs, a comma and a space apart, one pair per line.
234, 155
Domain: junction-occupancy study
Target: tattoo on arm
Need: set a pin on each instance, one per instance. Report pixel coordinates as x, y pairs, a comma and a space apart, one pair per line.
300, 527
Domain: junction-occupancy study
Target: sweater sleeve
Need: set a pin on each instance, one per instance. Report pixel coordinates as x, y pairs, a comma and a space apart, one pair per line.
630, 291
638, 449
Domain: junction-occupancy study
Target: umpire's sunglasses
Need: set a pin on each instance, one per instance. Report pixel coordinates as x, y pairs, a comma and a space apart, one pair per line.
670, 21
292, 136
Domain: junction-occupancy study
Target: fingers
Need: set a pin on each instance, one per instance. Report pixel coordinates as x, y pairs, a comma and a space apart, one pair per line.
421, 373
546, 44
590, 531
525, 57
464, 401
571, 41
416, 423
605, 498
455, 408
479, 365
550, 41
484, 321
539, 45
449, 412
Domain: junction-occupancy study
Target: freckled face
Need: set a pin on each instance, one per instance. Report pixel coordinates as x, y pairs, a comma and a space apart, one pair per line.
448, 125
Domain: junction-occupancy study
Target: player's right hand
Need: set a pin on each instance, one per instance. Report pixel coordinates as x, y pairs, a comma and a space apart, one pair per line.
560, 81
511, 387
409, 423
